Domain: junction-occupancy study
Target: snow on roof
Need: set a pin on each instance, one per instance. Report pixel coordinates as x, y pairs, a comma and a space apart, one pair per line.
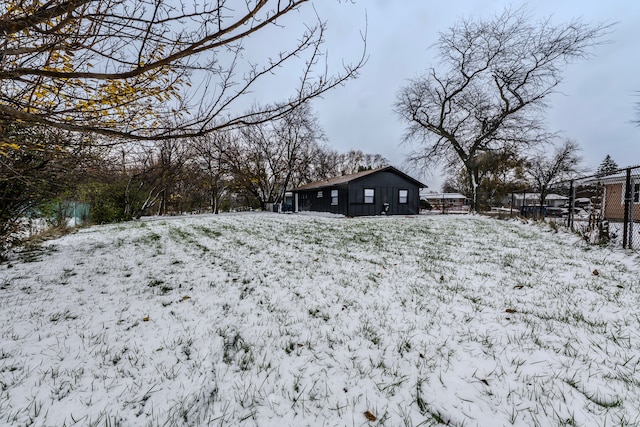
529, 196
433, 195
619, 178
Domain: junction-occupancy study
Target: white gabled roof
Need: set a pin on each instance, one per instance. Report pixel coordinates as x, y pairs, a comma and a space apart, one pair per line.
529, 196
619, 178
433, 195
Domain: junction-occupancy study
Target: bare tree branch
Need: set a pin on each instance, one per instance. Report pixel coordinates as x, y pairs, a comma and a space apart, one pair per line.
544, 170
489, 91
125, 68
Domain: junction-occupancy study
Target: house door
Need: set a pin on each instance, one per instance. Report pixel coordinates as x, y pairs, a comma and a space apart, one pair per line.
386, 200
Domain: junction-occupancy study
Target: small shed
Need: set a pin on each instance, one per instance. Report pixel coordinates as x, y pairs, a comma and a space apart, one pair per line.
382, 191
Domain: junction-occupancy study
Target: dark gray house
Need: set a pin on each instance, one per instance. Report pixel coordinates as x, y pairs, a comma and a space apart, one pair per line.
379, 191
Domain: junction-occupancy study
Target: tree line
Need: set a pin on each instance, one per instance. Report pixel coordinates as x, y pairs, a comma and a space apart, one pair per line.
232, 169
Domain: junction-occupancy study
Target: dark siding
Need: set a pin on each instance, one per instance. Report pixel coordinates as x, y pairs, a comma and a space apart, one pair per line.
308, 200
387, 186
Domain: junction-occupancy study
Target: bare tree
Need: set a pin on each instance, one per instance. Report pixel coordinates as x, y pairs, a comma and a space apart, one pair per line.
299, 135
144, 173
276, 155
329, 163
490, 89
325, 165
356, 160
153, 69
171, 158
545, 170
210, 154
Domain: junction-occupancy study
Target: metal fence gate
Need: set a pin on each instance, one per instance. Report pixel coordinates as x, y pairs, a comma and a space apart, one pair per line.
604, 207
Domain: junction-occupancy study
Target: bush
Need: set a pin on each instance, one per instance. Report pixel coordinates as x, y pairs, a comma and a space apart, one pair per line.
107, 202
425, 205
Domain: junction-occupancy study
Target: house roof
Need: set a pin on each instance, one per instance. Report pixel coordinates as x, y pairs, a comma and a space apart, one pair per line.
442, 196
345, 179
609, 179
529, 196
618, 177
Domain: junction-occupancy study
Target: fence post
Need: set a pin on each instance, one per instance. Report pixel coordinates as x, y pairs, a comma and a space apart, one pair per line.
572, 197
632, 215
627, 199
513, 199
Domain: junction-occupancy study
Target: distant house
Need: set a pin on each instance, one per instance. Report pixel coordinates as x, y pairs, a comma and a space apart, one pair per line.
446, 202
533, 199
382, 191
613, 193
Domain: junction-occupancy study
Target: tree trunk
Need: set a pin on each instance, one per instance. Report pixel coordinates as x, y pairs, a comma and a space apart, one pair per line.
473, 173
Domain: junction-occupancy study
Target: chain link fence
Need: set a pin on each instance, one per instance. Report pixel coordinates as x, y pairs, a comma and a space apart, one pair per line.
603, 208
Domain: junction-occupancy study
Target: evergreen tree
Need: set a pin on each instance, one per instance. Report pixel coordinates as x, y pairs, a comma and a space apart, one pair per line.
607, 167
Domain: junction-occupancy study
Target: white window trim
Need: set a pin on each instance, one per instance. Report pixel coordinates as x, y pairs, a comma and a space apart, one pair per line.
372, 197
405, 198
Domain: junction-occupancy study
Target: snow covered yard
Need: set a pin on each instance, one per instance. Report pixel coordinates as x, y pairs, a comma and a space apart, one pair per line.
290, 320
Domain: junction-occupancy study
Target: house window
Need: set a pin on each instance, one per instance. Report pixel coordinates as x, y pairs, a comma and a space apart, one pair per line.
320, 194
636, 193
334, 197
403, 196
369, 194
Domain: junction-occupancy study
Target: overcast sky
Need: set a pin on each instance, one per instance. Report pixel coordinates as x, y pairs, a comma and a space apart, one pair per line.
598, 96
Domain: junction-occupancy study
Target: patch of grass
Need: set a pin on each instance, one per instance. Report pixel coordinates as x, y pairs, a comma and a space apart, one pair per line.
148, 239
58, 316
208, 231
155, 282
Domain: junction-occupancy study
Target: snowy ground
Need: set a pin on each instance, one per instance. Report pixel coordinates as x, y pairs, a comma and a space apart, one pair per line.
290, 320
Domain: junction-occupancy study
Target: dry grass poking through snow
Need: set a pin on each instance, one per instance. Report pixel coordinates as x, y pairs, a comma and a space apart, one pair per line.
276, 320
